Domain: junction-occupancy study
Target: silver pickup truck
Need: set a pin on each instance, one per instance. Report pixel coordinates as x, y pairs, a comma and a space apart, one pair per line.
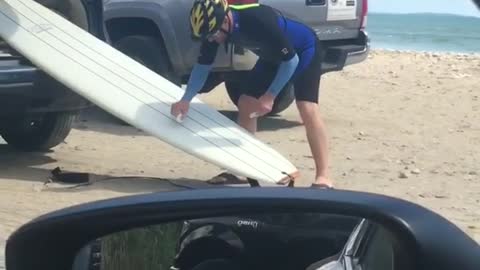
156, 33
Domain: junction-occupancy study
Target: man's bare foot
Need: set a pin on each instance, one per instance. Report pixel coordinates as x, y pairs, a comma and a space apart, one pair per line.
323, 182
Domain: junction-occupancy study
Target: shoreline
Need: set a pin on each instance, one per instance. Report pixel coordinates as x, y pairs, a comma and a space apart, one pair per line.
424, 52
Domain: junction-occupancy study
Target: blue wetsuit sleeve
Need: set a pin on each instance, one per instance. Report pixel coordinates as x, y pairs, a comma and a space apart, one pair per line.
284, 73
196, 81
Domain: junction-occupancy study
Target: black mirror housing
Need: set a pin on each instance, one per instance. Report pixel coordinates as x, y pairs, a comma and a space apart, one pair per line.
53, 240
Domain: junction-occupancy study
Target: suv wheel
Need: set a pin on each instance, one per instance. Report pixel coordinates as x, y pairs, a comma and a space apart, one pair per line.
38, 131
281, 103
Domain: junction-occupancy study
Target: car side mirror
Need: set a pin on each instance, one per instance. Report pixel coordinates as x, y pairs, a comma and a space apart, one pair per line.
243, 228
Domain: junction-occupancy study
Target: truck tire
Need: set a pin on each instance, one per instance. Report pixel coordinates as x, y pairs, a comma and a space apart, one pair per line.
150, 52
281, 103
38, 131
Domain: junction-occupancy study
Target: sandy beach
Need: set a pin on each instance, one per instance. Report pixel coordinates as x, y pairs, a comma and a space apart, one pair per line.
403, 124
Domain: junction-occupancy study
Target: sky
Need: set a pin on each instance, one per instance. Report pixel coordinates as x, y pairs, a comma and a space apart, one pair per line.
459, 7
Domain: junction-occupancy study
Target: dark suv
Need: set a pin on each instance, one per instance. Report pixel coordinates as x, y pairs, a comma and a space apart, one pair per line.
36, 111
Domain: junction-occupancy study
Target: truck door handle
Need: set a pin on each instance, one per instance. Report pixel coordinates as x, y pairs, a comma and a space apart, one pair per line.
315, 2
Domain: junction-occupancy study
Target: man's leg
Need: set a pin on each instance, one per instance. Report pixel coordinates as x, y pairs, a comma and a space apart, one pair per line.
246, 106
306, 93
253, 86
317, 138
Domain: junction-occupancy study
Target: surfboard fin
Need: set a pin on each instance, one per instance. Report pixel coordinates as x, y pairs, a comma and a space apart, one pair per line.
290, 179
253, 182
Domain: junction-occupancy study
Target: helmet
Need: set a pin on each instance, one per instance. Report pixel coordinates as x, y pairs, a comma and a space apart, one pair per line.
206, 17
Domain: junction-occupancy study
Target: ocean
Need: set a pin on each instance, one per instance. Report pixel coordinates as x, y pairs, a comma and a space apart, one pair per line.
424, 32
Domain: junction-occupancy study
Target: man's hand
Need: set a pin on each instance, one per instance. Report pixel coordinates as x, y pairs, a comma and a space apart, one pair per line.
265, 104
180, 108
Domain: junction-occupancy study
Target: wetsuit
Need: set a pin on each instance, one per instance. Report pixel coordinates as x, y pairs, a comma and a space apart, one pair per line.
287, 51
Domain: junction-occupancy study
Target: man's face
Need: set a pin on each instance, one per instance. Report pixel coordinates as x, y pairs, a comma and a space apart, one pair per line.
220, 36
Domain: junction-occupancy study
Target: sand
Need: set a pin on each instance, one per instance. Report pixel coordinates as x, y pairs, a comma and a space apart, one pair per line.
403, 124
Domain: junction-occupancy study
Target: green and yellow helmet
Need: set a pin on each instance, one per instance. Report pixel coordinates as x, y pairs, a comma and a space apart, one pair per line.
206, 17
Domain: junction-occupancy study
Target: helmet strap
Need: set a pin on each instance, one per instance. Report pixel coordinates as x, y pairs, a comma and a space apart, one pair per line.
227, 33
205, 18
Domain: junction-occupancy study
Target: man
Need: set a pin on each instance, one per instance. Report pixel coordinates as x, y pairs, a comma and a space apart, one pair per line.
287, 50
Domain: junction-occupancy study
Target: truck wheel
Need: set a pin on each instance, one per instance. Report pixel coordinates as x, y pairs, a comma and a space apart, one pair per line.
281, 103
150, 52
39, 131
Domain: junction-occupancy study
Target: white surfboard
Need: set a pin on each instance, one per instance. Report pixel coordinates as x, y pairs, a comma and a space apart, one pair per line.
134, 93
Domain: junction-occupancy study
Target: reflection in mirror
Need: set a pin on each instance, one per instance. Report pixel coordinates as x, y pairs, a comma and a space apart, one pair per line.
308, 241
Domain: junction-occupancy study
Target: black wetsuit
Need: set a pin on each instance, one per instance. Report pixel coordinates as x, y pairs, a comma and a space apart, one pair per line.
275, 39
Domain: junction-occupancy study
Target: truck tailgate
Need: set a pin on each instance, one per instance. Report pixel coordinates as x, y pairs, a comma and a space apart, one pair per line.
331, 19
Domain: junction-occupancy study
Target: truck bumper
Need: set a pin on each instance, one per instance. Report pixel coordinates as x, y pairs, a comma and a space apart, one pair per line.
14, 77
24, 88
356, 57
339, 56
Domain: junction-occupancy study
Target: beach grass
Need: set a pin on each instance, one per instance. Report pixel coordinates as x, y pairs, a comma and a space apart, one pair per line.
144, 248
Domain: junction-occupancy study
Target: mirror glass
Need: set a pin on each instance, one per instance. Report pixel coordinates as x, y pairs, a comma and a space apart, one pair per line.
277, 241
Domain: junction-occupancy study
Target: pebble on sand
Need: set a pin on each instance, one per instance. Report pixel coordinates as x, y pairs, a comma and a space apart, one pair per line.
415, 171
403, 175
430, 195
449, 173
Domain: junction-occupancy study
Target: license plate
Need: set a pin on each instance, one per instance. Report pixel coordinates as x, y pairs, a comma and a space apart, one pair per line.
342, 10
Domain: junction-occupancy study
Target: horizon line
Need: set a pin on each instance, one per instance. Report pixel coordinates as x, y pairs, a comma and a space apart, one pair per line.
425, 13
